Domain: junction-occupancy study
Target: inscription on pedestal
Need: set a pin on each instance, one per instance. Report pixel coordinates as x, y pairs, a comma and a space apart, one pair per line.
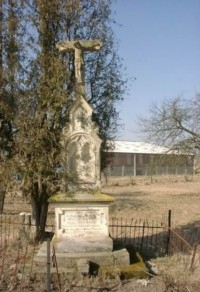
82, 221
78, 220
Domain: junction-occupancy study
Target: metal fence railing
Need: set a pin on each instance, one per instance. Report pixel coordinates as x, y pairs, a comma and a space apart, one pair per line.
17, 227
182, 251
20, 272
143, 235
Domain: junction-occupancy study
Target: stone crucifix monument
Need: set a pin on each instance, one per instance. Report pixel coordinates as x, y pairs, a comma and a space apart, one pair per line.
81, 142
78, 48
81, 210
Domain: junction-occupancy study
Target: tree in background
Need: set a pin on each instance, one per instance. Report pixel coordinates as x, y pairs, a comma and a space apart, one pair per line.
174, 123
47, 89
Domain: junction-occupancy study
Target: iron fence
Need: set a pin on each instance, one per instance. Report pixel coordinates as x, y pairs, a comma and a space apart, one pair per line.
17, 266
142, 235
18, 227
183, 251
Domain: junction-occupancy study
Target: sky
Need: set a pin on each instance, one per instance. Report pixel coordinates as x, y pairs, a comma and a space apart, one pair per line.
159, 43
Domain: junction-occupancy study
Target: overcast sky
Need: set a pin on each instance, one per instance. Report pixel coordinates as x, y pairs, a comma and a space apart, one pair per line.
159, 42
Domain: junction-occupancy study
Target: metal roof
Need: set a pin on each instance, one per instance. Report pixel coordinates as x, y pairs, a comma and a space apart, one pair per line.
136, 147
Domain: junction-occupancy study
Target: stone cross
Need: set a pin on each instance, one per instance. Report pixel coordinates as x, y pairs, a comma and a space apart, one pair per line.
78, 48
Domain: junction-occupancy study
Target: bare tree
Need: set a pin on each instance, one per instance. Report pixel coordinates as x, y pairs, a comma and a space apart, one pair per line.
174, 123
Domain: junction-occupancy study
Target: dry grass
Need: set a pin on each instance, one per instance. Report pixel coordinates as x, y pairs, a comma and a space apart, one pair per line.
151, 197
140, 198
176, 276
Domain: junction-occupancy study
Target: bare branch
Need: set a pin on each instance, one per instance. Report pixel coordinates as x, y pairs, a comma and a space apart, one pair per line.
174, 122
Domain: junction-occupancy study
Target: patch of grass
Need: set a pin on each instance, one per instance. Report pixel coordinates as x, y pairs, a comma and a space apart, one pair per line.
176, 276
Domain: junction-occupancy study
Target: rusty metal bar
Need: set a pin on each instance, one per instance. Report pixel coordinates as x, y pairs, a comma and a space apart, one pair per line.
169, 232
193, 256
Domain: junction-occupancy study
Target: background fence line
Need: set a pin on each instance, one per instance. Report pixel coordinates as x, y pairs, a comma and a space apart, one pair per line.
125, 170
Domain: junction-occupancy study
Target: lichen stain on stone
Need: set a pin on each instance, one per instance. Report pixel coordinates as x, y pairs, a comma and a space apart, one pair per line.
136, 270
84, 197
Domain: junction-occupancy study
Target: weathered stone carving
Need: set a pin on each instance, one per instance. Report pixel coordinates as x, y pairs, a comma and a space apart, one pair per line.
81, 162
78, 48
81, 149
81, 143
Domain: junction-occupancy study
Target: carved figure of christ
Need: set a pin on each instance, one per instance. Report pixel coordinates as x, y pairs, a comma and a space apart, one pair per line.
78, 48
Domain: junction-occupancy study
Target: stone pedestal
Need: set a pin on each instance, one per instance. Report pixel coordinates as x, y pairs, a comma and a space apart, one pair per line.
81, 223
82, 232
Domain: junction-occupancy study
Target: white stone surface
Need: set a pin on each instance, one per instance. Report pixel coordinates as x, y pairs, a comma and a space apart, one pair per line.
78, 48
81, 221
81, 149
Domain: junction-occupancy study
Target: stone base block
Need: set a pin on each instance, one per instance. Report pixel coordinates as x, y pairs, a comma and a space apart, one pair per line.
70, 262
81, 245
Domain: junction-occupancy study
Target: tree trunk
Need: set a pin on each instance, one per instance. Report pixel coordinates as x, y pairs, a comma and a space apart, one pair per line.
39, 214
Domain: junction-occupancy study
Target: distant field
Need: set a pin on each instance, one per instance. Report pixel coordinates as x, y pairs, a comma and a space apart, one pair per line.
141, 197
152, 197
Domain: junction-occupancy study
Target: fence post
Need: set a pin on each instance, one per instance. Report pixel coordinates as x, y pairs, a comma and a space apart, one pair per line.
109, 170
167, 170
27, 222
193, 256
2, 198
169, 231
143, 232
48, 266
122, 170
134, 165
21, 225
24, 225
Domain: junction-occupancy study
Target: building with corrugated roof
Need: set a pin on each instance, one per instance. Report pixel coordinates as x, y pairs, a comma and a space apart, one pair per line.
127, 158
